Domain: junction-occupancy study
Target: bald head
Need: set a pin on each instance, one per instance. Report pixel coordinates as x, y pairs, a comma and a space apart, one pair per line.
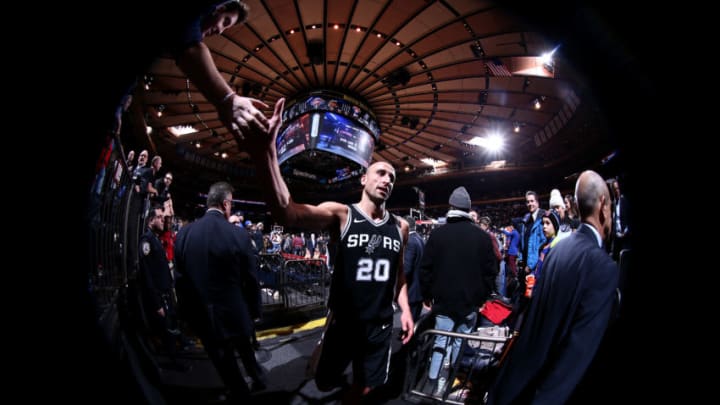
593, 199
589, 188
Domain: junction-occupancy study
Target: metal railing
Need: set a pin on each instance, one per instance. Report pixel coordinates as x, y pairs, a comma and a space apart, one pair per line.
293, 284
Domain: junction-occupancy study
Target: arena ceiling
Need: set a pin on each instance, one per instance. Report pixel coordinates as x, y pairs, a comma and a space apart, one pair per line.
435, 73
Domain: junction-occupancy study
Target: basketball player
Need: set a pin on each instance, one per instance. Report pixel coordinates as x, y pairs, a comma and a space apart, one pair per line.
367, 272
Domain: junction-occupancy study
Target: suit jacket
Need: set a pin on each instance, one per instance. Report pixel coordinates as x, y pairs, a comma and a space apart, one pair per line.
218, 270
411, 266
564, 324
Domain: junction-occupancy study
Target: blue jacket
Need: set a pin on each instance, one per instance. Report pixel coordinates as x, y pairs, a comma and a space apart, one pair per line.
535, 239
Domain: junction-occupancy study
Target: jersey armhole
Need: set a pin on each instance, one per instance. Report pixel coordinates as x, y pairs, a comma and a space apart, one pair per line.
345, 227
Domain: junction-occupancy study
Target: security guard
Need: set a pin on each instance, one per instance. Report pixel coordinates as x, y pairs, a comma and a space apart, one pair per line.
156, 284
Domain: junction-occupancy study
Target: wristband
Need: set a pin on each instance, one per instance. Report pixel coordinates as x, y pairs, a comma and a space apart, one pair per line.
227, 97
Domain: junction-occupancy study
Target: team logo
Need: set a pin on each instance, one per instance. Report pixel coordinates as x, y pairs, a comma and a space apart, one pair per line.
374, 242
146, 248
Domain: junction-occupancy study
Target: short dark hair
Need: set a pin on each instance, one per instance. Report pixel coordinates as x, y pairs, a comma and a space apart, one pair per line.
153, 211
242, 8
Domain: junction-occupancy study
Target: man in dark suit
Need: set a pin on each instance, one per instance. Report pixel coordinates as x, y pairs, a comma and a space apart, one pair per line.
621, 228
219, 290
569, 311
411, 266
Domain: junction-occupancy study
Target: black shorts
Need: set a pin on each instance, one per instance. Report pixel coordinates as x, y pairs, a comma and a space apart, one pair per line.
364, 343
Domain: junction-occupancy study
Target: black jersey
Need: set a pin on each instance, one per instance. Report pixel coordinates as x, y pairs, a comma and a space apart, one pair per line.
366, 265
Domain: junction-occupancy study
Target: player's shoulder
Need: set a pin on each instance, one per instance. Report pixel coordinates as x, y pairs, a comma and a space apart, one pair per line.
334, 206
400, 221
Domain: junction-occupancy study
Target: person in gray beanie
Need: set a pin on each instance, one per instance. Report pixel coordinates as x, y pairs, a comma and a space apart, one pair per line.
460, 199
455, 255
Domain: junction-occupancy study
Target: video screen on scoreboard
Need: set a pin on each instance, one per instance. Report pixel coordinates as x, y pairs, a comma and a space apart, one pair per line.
337, 134
335, 103
294, 139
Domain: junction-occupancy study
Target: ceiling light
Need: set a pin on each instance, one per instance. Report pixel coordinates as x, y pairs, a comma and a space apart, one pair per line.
148, 81
492, 143
496, 164
180, 130
434, 162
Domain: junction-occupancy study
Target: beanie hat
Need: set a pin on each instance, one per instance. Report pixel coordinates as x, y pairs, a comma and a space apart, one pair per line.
556, 199
460, 199
554, 219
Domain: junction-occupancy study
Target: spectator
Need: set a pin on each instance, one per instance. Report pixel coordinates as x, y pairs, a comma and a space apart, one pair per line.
558, 205
457, 275
147, 30
512, 237
531, 239
621, 227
